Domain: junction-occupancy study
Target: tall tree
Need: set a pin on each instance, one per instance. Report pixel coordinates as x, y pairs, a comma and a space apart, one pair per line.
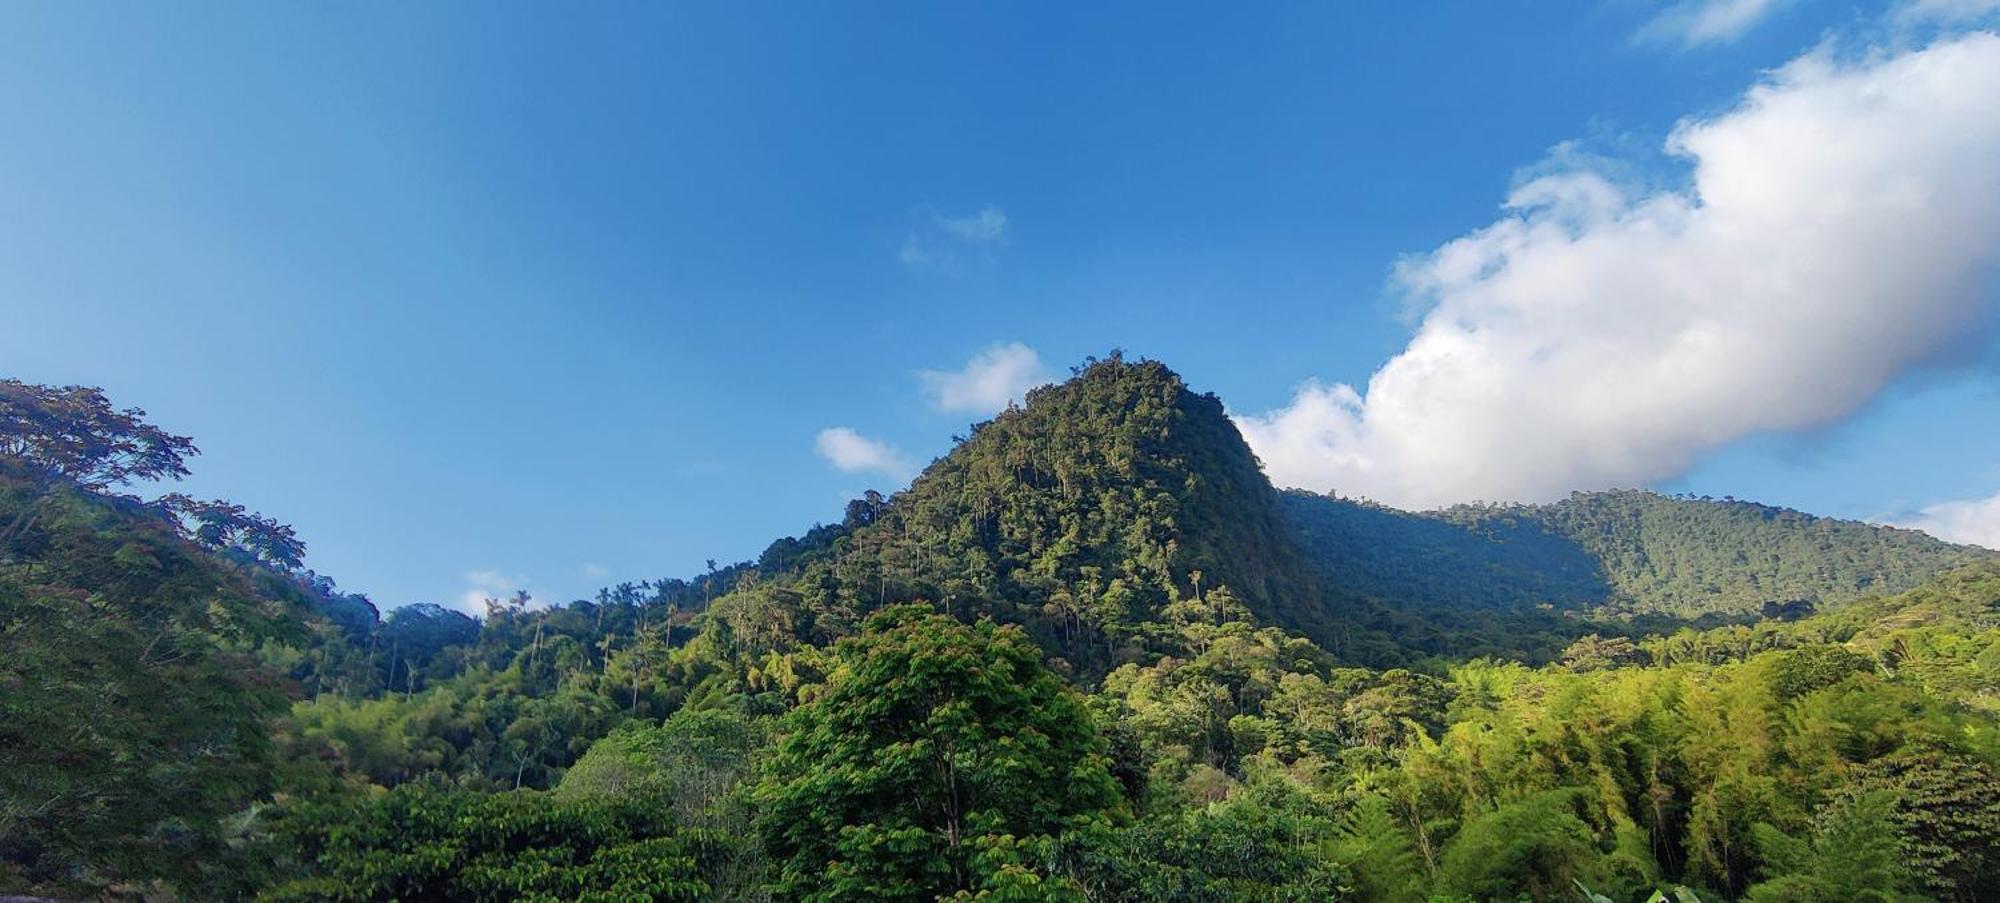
931, 742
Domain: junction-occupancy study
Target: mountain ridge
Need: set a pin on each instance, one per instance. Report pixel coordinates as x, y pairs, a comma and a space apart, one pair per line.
1619, 552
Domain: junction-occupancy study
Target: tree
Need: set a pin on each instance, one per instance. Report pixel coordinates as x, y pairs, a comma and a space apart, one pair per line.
690, 760
73, 434
415, 635
1854, 853
225, 527
1535, 846
930, 742
132, 720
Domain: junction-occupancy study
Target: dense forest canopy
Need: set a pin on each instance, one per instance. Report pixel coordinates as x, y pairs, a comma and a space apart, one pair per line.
1090, 654
1626, 551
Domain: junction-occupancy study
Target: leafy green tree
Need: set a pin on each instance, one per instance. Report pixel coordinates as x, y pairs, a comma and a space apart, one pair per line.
1379, 853
692, 760
930, 740
1854, 853
134, 716
1266, 842
1537, 846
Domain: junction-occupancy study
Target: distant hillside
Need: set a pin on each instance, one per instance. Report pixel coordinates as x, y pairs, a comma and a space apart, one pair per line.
1624, 551
1507, 561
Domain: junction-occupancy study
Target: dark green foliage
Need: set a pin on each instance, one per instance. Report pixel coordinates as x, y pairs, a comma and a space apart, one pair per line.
930, 742
415, 637
133, 717
1694, 556
1946, 806
1802, 671
417, 843
1624, 551
1509, 561
1854, 853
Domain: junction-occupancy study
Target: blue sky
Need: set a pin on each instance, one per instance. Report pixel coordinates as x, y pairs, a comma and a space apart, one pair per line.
506, 295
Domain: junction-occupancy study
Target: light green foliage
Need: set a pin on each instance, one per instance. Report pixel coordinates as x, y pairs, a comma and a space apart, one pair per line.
1379, 852
929, 741
691, 760
1268, 841
1534, 845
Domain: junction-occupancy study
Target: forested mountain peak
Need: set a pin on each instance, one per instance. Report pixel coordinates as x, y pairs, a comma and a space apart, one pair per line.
1084, 513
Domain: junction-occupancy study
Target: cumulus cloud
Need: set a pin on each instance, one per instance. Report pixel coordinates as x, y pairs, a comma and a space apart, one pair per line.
852, 452
988, 382
484, 585
1695, 22
942, 241
1974, 521
1841, 228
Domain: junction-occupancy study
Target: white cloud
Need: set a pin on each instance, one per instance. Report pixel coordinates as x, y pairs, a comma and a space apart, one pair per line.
941, 242
1915, 11
1692, 23
852, 452
1842, 228
988, 382
484, 585
1974, 521
595, 571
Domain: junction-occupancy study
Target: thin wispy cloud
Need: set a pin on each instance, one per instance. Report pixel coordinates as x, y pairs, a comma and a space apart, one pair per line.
1841, 229
943, 241
990, 381
1946, 11
850, 452
1692, 23
988, 227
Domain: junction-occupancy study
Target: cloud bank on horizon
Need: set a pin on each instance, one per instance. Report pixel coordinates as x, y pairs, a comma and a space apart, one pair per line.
1973, 521
1841, 230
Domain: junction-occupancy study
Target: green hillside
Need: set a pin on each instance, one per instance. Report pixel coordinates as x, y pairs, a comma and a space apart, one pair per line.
1615, 553
1088, 655
1084, 515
